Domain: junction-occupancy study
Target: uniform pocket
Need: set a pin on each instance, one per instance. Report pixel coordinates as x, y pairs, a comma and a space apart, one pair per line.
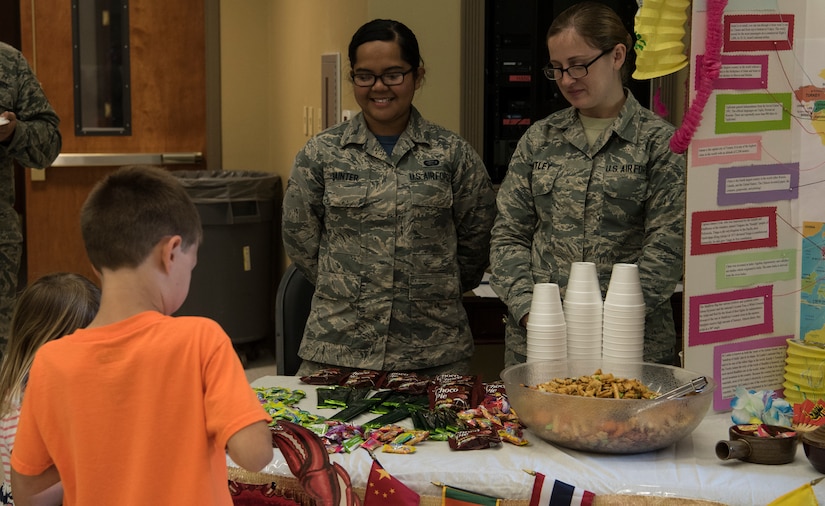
434, 193
344, 204
625, 198
346, 195
335, 305
434, 305
431, 227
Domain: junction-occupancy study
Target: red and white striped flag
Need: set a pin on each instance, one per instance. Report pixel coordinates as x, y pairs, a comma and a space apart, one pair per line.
549, 492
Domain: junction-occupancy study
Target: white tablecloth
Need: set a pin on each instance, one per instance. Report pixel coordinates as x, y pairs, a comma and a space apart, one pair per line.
688, 469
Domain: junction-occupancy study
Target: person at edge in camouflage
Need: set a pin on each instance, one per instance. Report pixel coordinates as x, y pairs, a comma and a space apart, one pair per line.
595, 182
389, 216
30, 138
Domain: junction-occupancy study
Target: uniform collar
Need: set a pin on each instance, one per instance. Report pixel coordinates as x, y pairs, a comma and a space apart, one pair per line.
626, 126
357, 132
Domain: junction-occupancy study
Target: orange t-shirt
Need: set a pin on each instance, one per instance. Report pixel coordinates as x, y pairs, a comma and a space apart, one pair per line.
137, 412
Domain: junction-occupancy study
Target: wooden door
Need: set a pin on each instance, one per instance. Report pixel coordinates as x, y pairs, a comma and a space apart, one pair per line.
168, 114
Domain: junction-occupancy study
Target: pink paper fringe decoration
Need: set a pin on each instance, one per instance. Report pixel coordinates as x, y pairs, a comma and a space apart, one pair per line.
711, 63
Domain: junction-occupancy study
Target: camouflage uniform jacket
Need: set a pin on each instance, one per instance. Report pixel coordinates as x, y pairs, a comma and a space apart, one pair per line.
36, 140
391, 242
621, 200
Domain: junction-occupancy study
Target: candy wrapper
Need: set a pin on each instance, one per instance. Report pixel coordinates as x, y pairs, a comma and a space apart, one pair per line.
364, 379
330, 376
406, 382
476, 439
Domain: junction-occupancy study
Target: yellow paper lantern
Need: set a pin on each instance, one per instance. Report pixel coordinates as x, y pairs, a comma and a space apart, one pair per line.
660, 32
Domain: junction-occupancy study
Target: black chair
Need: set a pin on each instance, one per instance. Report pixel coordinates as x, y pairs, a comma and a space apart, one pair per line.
292, 304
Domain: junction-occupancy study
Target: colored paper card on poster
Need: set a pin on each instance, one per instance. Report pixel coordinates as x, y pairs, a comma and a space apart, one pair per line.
727, 316
733, 229
757, 184
719, 150
753, 268
752, 112
739, 72
758, 32
757, 363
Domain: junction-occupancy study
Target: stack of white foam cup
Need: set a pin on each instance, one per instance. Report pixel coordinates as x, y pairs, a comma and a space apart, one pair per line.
623, 322
546, 329
583, 312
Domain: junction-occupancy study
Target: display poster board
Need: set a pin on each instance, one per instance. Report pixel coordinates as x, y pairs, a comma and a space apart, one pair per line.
755, 239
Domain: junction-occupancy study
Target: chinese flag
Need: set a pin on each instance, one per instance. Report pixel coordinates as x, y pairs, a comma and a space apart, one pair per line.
383, 489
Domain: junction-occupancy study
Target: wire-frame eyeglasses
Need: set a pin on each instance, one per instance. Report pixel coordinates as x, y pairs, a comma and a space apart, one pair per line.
574, 71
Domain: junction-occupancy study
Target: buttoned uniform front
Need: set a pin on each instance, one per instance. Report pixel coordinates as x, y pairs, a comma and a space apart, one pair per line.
621, 200
35, 143
391, 242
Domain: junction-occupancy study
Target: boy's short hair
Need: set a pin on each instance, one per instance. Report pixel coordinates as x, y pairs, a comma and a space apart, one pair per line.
130, 210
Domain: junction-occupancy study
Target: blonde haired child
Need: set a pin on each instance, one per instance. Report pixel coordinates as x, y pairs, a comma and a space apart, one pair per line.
49, 308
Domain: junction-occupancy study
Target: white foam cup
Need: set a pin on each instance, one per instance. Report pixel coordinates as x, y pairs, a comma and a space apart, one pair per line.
585, 354
560, 347
581, 297
582, 309
549, 356
572, 316
629, 313
624, 299
545, 307
627, 333
625, 273
631, 356
620, 349
584, 274
537, 319
624, 326
609, 307
546, 293
547, 332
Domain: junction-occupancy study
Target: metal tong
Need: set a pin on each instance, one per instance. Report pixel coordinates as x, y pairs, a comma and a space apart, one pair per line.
694, 385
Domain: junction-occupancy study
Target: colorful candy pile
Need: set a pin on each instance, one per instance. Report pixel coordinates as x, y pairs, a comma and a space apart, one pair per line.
459, 409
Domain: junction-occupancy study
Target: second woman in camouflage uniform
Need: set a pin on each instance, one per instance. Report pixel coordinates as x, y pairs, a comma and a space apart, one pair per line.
595, 182
390, 216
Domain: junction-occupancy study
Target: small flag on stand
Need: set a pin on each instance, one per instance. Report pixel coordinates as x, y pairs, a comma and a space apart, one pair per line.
453, 496
384, 489
802, 496
548, 492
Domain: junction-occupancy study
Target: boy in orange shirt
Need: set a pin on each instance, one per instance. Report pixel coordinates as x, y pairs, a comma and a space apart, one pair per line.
140, 407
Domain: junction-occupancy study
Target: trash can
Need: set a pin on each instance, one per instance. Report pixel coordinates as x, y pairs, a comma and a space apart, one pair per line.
233, 281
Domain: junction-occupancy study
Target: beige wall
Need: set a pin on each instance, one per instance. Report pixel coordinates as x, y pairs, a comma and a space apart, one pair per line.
271, 69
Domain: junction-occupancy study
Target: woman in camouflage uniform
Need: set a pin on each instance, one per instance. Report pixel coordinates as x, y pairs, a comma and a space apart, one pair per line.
389, 216
595, 182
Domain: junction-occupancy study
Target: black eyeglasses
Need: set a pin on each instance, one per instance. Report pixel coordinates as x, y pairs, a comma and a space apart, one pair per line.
388, 78
574, 71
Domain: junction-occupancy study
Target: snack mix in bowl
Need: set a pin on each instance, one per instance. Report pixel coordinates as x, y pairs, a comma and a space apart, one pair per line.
607, 407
